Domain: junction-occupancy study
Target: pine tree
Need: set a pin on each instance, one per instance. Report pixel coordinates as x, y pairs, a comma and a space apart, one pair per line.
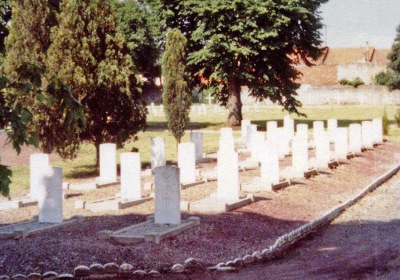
87, 54
57, 118
247, 43
394, 63
176, 98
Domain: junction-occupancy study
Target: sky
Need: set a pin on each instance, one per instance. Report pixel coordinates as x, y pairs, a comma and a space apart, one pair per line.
352, 23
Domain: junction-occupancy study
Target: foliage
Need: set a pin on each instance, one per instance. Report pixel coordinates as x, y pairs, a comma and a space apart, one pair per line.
385, 123
356, 82
397, 117
176, 98
247, 42
87, 54
5, 17
394, 63
382, 78
141, 29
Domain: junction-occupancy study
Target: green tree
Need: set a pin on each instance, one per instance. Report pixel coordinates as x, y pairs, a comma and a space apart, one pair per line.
142, 31
176, 98
89, 55
5, 17
55, 122
394, 63
247, 43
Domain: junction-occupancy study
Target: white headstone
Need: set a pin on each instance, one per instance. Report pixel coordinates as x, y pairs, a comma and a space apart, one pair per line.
288, 124
257, 139
157, 152
341, 143
167, 195
378, 130
250, 130
187, 162
244, 124
130, 176
197, 139
302, 130
299, 156
355, 138
322, 149
108, 163
318, 126
226, 140
50, 200
271, 127
38, 162
280, 140
269, 163
367, 136
228, 176
332, 125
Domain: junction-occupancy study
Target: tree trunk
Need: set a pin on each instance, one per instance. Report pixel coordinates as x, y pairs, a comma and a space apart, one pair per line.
97, 144
234, 104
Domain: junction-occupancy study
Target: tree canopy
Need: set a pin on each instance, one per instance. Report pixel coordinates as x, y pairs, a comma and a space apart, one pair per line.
176, 98
394, 63
247, 43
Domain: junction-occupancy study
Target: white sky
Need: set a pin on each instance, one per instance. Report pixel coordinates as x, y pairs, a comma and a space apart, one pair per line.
351, 23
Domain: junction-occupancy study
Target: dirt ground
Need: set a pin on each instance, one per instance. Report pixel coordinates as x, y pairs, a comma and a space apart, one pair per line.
220, 237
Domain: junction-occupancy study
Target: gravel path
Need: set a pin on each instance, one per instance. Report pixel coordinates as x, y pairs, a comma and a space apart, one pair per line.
362, 243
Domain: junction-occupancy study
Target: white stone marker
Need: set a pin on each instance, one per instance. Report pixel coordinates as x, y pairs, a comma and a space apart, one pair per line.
244, 124
377, 130
332, 125
341, 143
226, 140
272, 126
269, 163
50, 201
318, 126
197, 139
38, 162
108, 163
302, 130
250, 130
258, 140
167, 195
322, 149
228, 176
281, 140
130, 177
288, 124
157, 152
355, 138
187, 162
367, 135
299, 156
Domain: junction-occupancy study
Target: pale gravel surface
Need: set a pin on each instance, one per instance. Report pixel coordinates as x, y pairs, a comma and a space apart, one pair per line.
220, 237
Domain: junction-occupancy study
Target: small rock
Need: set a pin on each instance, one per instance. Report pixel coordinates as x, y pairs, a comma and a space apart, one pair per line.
177, 268
65, 276
257, 254
139, 274
96, 268
111, 268
248, 259
126, 268
238, 262
192, 263
81, 271
34, 276
104, 234
50, 275
229, 263
154, 274
4, 277
227, 269
18, 277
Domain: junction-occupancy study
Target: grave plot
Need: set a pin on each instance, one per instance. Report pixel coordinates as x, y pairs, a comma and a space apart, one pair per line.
167, 217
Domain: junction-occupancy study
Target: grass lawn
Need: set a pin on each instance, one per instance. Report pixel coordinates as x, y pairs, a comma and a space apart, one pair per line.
84, 165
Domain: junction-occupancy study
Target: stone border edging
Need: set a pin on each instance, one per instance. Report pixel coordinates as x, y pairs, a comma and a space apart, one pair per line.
191, 264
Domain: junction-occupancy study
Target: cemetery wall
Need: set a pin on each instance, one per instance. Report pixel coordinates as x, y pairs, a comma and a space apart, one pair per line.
362, 70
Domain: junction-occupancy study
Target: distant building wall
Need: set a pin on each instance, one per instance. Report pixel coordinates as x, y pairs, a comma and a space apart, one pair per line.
366, 71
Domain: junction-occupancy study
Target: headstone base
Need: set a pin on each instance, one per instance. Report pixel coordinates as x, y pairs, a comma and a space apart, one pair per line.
18, 203
192, 184
213, 204
259, 186
90, 185
248, 164
149, 231
333, 164
110, 204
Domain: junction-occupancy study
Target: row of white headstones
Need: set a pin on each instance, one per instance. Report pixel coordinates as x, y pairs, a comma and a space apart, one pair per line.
46, 181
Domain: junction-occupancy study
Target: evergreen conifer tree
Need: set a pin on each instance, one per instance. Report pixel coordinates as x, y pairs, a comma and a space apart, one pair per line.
394, 63
176, 98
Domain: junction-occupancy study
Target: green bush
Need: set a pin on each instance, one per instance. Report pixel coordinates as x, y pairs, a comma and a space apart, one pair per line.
357, 81
382, 78
385, 123
397, 117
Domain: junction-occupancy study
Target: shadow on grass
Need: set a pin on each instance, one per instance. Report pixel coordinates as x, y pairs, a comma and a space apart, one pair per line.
157, 126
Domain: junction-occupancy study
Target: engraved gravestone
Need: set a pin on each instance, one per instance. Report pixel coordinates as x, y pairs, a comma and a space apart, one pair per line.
157, 152
187, 162
197, 139
332, 125
108, 163
244, 124
130, 176
226, 141
318, 126
367, 134
38, 162
355, 138
50, 200
341, 143
322, 149
250, 130
269, 163
228, 176
299, 156
378, 130
288, 124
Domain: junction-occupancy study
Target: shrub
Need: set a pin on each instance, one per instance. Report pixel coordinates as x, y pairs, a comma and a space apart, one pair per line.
382, 78
385, 123
357, 81
397, 117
